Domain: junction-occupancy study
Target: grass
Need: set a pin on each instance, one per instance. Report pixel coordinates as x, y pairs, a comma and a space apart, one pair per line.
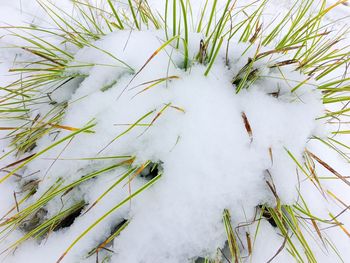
307, 41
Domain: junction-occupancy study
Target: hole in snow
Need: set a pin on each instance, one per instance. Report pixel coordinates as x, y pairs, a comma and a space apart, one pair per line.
266, 214
70, 218
152, 170
107, 243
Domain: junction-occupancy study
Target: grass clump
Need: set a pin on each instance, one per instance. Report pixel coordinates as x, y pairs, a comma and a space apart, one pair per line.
300, 39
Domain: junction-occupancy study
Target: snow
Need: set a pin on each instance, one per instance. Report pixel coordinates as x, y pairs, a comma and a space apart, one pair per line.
210, 160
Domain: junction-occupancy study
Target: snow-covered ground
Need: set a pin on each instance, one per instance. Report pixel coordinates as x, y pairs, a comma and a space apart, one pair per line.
216, 149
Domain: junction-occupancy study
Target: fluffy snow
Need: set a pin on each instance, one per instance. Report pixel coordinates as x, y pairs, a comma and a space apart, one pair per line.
210, 160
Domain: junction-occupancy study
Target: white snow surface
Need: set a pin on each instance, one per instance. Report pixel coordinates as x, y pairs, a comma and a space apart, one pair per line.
210, 160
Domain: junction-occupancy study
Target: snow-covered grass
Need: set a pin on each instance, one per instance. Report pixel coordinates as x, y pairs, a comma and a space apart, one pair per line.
175, 131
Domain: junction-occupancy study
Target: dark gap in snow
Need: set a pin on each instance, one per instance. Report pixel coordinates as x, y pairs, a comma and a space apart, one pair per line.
118, 226
275, 94
152, 170
107, 243
31, 147
39, 217
248, 74
69, 219
253, 73
266, 214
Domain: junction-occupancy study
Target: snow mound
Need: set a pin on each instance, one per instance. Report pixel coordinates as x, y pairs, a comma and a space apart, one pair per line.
216, 148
